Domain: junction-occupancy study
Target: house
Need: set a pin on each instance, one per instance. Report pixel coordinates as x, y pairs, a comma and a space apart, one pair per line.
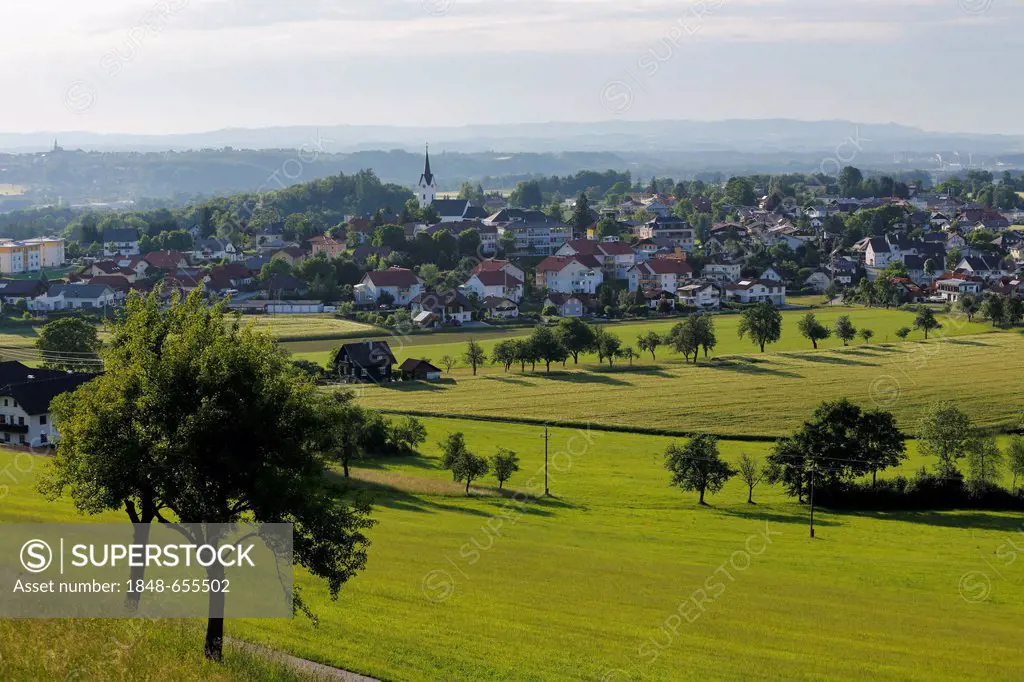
284, 285
15, 290
756, 291
949, 287
364, 362
292, 255
679, 232
68, 296
658, 299
663, 274
326, 245
646, 249
400, 284
771, 275
270, 234
450, 307
451, 210
700, 295
25, 397
818, 280
908, 290
616, 257
498, 265
570, 274
986, 268
569, 305
498, 283
419, 370
495, 307
29, 255
1009, 287
119, 283
121, 242
214, 249
722, 272
166, 260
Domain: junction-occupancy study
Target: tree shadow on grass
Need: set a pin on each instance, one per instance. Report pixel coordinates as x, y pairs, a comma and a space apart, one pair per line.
830, 359
384, 462
966, 342
744, 368
584, 378
420, 386
982, 520
508, 380
753, 513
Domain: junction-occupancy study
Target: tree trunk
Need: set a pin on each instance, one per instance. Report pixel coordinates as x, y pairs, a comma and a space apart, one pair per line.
815, 344
874, 477
213, 649
501, 484
140, 536
701, 496
762, 346
344, 466
548, 367
467, 485
750, 495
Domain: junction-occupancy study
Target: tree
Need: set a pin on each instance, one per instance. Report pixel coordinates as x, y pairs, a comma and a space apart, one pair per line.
524, 353
867, 334
984, 464
453, 446
969, 305
407, 435
993, 308
752, 471
903, 333
945, 433
704, 333
350, 432
70, 344
813, 330
580, 214
177, 439
1015, 458
504, 353
697, 466
629, 354
881, 442
648, 343
1013, 311
763, 323
576, 337
850, 180
683, 338
607, 345
449, 362
926, 321
547, 347
504, 463
469, 467
474, 355
845, 330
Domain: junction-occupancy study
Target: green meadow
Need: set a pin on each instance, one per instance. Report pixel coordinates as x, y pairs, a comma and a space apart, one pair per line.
616, 576
434, 346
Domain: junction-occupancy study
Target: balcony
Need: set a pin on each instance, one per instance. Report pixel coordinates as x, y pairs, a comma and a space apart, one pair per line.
14, 428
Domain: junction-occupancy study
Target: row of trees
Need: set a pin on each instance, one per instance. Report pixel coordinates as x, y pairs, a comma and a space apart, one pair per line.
467, 466
1000, 311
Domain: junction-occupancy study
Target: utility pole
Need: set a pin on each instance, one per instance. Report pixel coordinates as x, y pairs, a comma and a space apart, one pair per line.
547, 493
813, 469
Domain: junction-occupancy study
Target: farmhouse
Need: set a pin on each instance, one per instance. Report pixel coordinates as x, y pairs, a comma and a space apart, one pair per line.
364, 362
25, 398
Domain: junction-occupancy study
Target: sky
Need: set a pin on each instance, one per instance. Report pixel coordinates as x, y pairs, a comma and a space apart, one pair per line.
170, 66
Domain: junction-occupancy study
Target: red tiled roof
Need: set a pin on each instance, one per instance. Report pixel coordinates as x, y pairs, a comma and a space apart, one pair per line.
559, 263
393, 277
490, 265
668, 266
165, 260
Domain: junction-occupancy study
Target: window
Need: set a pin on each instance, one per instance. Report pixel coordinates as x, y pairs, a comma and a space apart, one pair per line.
21, 421
7, 437
42, 420
5, 402
21, 438
42, 438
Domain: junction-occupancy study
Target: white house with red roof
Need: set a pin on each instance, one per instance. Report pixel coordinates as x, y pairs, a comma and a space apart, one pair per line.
499, 265
401, 284
950, 286
660, 274
495, 283
616, 257
570, 274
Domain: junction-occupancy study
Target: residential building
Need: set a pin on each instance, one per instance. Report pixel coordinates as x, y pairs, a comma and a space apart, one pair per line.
166, 260
25, 397
570, 274
700, 295
401, 284
215, 249
756, 291
364, 362
328, 246
986, 268
722, 272
434, 308
121, 242
949, 287
498, 265
419, 370
68, 296
818, 280
500, 283
616, 257
679, 232
499, 308
569, 305
30, 255
660, 274
15, 290
451, 210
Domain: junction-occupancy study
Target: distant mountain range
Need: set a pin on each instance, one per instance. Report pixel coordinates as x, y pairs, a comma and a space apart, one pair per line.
743, 136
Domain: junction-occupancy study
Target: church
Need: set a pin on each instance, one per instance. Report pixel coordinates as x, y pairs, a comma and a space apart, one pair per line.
428, 183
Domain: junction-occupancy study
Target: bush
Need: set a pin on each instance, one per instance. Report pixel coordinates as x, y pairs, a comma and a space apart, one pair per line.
925, 491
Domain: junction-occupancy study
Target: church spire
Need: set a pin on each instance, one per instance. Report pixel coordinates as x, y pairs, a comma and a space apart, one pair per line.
427, 178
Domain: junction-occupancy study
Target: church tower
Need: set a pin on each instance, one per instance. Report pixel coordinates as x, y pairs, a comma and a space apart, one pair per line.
428, 184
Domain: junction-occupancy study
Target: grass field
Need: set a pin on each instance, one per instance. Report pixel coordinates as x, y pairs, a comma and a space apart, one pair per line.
295, 327
434, 346
749, 394
589, 584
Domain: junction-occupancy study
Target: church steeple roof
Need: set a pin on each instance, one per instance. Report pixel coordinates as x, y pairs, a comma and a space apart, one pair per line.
427, 178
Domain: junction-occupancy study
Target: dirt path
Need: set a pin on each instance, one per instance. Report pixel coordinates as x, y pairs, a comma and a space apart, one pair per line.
318, 671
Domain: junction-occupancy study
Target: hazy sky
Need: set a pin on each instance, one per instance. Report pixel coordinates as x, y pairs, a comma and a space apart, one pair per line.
192, 65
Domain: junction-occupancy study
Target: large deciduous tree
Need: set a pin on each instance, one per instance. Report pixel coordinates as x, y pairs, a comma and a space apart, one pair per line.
925, 320
577, 336
214, 426
697, 466
812, 330
71, 344
844, 329
474, 355
945, 433
763, 323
